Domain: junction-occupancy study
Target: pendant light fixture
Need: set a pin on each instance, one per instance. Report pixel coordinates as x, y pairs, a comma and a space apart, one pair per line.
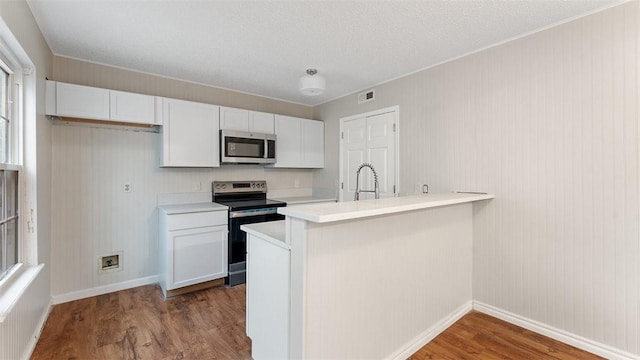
312, 84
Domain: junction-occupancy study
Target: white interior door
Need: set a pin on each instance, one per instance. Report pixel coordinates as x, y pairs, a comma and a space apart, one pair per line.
369, 138
354, 151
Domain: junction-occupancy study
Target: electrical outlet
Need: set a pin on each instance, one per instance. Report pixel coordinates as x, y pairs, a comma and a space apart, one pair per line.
127, 188
425, 189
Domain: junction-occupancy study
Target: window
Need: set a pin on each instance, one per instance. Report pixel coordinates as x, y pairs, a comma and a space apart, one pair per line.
9, 173
8, 220
4, 116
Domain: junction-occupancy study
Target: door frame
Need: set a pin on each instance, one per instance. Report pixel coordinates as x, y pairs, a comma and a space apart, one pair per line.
394, 109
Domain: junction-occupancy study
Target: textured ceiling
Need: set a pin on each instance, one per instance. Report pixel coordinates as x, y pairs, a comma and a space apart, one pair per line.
263, 47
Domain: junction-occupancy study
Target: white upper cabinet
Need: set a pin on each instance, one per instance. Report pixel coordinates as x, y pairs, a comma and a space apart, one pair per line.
261, 122
245, 120
81, 101
312, 143
234, 119
300, 142
190, 134
288, 142
131, 107
86, 102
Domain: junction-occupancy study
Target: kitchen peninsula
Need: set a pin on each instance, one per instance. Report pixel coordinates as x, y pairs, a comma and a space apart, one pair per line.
368, 279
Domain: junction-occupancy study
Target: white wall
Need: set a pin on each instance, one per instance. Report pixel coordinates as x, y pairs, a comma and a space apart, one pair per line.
93, 216
549, 123
18, 333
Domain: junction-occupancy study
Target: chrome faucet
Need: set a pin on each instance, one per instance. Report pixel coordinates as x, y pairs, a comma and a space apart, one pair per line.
376, 188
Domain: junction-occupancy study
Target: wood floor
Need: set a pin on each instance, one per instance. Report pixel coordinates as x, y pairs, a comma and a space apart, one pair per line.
210, 324
480, 336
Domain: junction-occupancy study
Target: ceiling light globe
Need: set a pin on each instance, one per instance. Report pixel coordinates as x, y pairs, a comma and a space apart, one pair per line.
312, 85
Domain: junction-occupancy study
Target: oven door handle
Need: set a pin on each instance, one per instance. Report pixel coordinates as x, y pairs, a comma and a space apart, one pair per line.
239, 214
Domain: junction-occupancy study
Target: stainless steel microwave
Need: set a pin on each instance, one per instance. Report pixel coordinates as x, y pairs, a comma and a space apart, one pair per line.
239, 147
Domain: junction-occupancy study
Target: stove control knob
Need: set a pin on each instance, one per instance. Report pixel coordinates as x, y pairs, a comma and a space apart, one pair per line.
224, 186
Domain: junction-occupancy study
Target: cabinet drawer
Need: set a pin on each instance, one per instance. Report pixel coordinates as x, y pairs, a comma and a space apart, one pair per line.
196, 220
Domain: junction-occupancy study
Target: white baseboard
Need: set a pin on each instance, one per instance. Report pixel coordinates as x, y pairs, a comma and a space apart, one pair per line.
430, 334
555, 333
99, 290
36, 333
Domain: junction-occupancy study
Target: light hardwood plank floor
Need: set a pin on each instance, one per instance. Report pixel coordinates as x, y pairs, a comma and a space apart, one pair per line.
210, 324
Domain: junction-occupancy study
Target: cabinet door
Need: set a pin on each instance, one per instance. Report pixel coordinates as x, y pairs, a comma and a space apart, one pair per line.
268, 298
131, 107
312, 144
198, 255
261, 122
82, 101
289, 142
234, 119
190, 134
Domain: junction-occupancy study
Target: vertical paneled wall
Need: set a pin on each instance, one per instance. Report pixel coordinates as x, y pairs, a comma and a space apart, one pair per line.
17, 331
93, 216
549, 123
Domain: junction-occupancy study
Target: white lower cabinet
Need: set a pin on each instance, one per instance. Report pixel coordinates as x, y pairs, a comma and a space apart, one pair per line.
268, 281
193, 248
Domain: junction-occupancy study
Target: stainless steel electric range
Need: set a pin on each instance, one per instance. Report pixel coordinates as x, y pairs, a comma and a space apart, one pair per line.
248, 204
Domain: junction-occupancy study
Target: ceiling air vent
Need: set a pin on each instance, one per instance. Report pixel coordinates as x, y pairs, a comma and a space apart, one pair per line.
369, 95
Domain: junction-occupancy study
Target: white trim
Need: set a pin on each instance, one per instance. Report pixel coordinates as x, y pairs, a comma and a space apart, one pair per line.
14, 285
31, 346
395, 109
436, 329
555, 333
105, 289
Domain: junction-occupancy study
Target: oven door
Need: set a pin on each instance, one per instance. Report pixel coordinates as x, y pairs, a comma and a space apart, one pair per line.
238, 241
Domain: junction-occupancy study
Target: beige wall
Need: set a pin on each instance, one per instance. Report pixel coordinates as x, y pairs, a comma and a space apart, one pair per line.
91, 74
18, 333
549, 123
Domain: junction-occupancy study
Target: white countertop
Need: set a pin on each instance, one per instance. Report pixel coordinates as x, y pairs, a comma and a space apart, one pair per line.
192, 208
294, 200
329, 212
271, 231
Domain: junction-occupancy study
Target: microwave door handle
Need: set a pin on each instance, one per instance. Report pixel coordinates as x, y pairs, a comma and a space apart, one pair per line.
266, 148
